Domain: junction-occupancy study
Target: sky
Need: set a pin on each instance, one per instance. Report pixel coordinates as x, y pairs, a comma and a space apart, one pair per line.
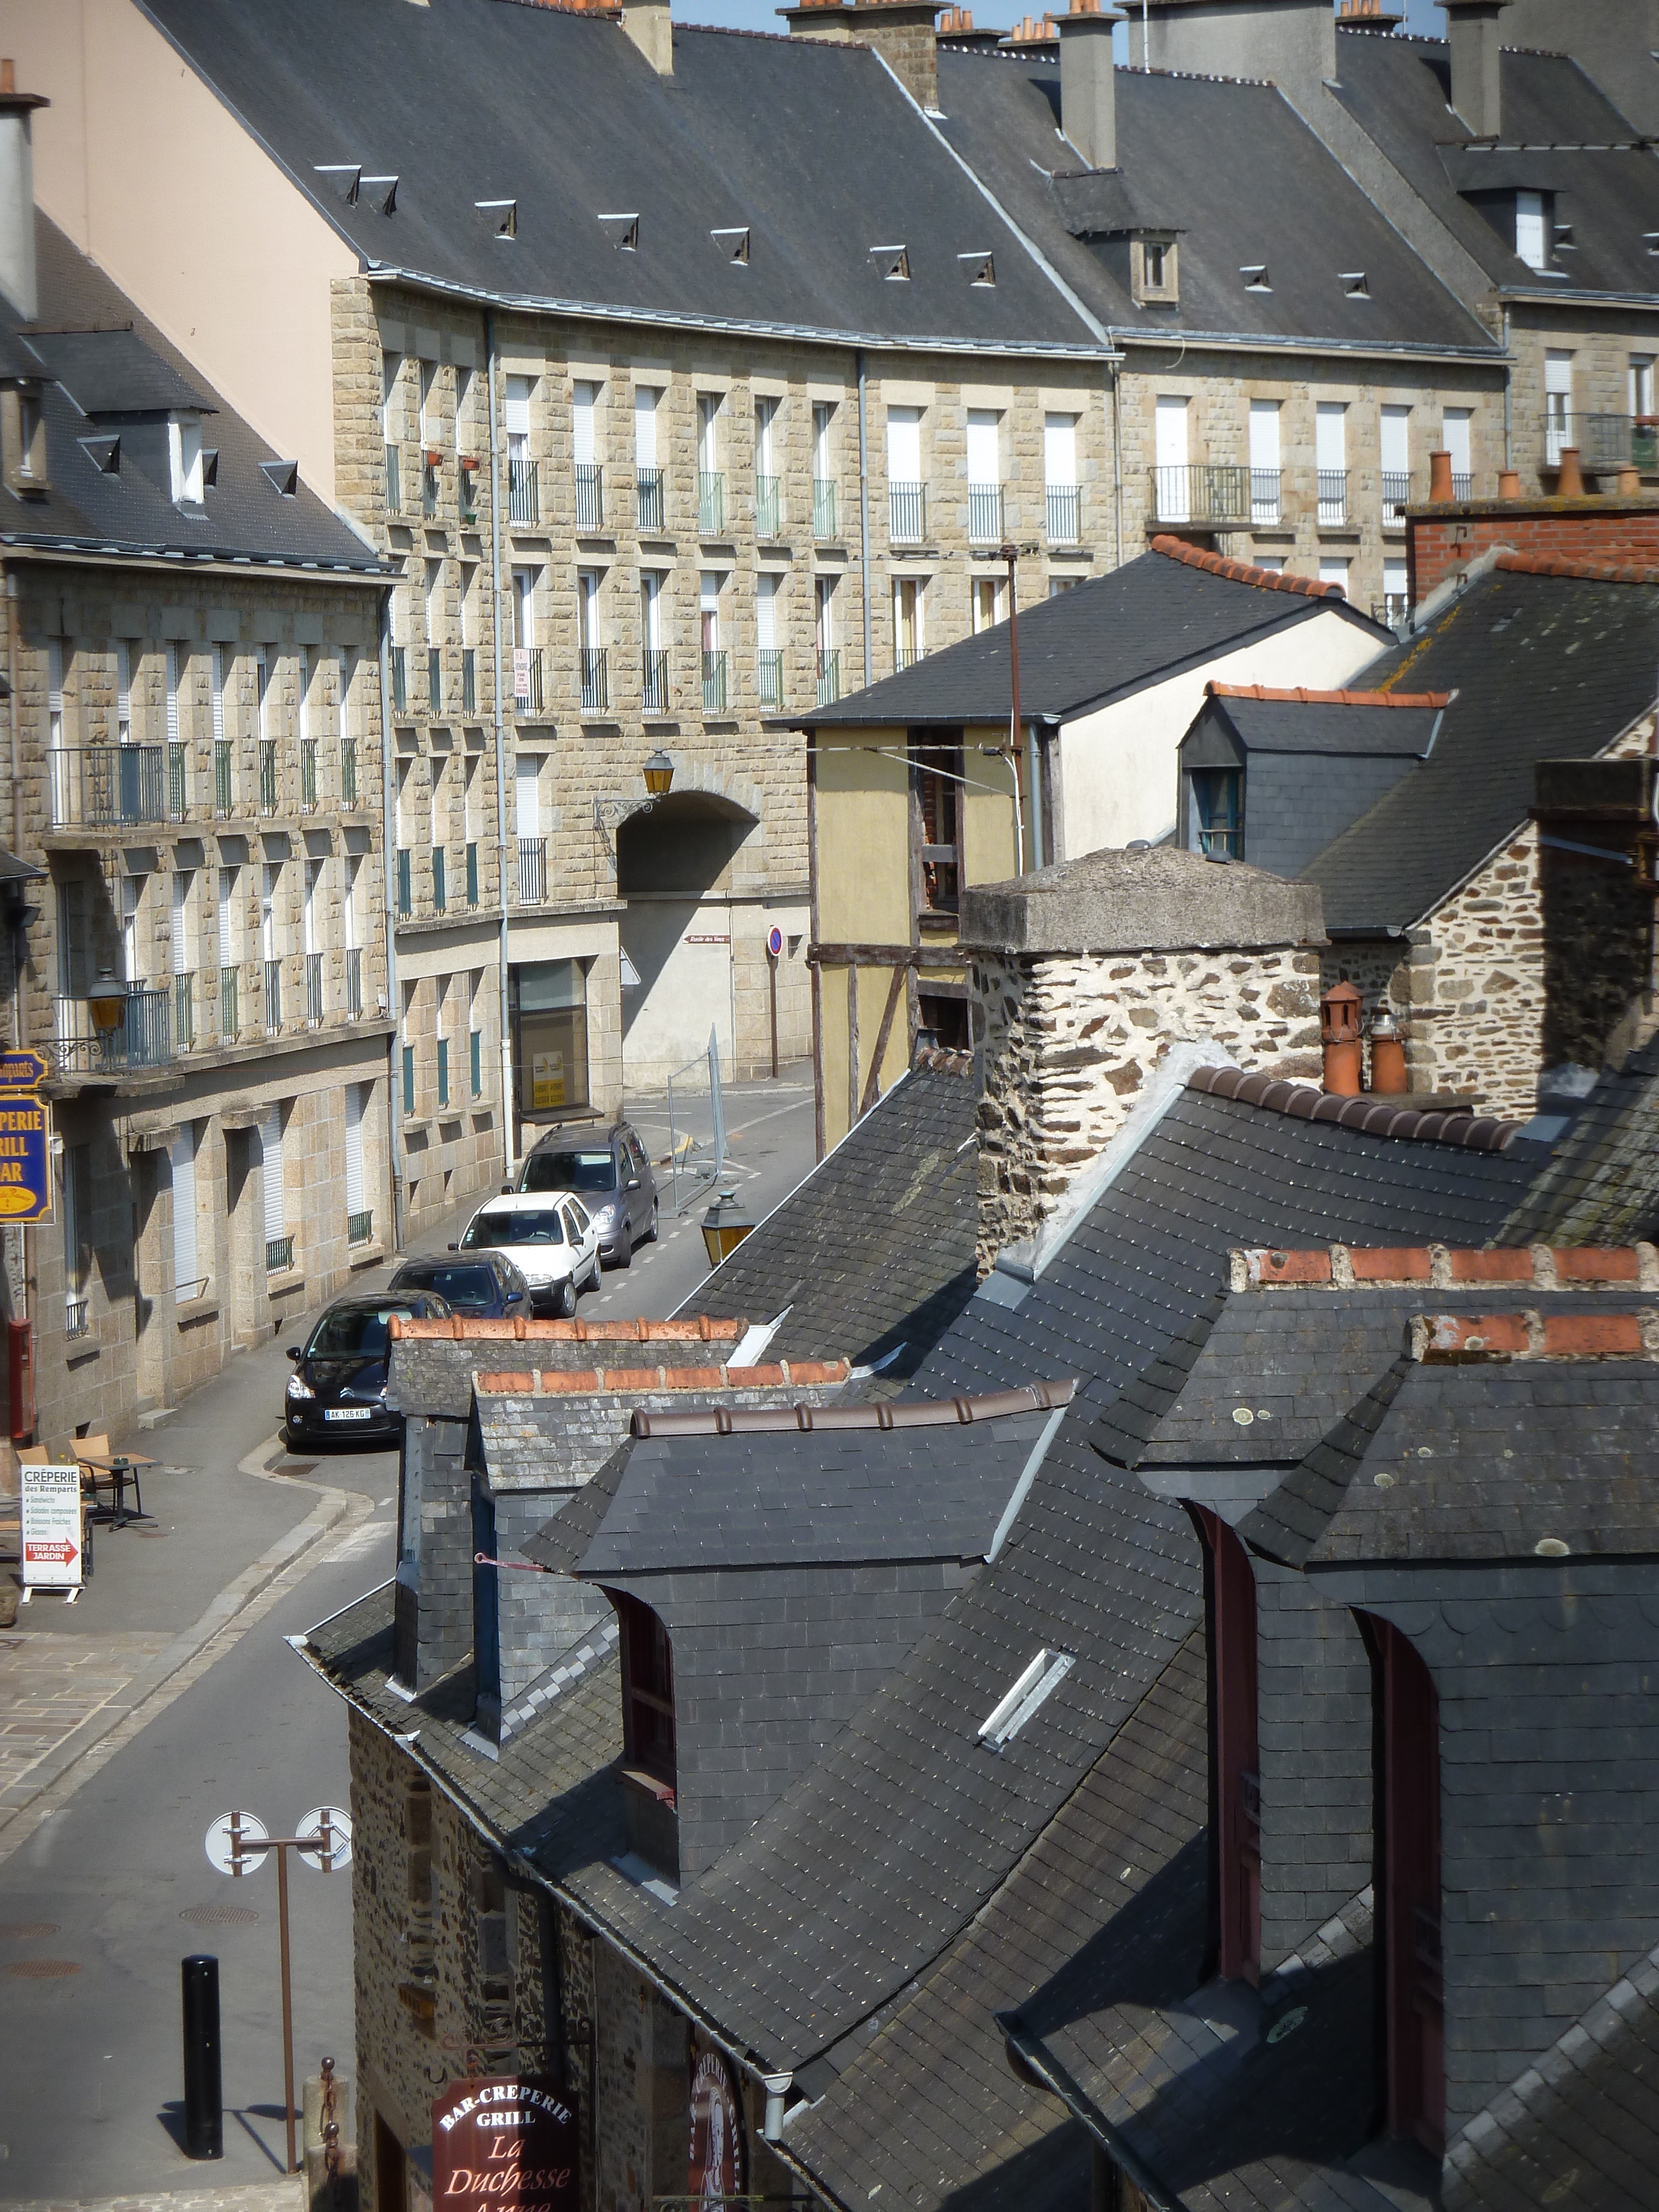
761, 15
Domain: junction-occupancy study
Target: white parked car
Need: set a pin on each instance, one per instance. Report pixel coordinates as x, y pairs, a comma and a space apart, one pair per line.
551, 1240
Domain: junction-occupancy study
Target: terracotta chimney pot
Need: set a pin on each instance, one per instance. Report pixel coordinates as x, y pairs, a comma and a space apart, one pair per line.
1440, 480
1570, 483
1339, 1034
1508, 483
1630, 481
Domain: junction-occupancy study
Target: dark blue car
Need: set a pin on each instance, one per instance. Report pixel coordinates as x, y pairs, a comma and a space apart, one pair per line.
337, 1389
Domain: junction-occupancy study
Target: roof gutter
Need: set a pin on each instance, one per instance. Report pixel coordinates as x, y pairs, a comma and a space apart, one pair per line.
1036, 2061
1646, 301
94, 552
532, 303
1230, 342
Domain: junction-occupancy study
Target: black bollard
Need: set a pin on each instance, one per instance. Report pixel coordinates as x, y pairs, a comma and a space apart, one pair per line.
204, 2110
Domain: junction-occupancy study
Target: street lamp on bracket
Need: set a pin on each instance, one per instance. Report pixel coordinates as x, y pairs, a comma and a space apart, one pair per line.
608, 812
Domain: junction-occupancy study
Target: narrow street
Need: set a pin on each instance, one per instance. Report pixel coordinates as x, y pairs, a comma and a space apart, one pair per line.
166, 1696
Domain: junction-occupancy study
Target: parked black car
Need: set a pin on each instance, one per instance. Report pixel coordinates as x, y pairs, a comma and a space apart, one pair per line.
486, 1284
609, 1171
337, 1389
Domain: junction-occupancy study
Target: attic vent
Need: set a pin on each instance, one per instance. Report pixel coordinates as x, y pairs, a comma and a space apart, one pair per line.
979, 267
1356, 284
104, 453
1254, 274
733, 244
344, 177
502, 216
285, 475
1650, 239
380, 193
1563, 239
893, 262
1045, 1674
209, 465
622, 231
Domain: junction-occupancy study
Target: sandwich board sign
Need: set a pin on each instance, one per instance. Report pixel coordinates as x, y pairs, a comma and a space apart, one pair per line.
51, 1530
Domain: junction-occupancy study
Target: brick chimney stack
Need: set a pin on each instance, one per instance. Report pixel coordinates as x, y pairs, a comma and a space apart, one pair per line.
1291, 42
648, 25
1088, 84
1083, 977
1473, 32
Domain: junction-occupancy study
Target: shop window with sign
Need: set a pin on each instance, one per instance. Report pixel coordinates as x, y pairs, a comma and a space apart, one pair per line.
719, 2147
547, 1004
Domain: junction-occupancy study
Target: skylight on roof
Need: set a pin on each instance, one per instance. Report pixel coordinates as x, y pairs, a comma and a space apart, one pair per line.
380, 193
1355, 283
1254, 274
622, 231
893, 262
1036, 1683
733, 244
979, 267
345, 177
502, 215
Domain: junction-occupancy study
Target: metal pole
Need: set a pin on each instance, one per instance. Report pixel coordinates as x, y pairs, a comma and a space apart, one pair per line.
204, 2110
287, 2004
772, 980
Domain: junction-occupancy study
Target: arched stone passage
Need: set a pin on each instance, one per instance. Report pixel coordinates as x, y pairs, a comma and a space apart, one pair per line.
674, 867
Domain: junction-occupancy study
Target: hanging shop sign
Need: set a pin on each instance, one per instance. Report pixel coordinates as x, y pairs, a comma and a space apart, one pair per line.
25, 1157
22, 1071
507, 2142
718, 2149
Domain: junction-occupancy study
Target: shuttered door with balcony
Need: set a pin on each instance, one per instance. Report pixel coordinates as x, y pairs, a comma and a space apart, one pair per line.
905, 520
984, 476
1396, 457
1264, 462
358, 1225
278, 1250
186, 1283
1060, 476
1172, 494
1331, 460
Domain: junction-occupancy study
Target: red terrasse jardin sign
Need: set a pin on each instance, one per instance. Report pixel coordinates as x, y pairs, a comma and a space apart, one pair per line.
509, 2143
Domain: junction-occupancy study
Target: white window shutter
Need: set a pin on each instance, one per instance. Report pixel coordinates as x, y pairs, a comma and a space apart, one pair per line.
766, 619
180, 921
1060, 451
270, 1146
587, 399
645, 426
185, 1273
173, 695
354, 1097
518, 406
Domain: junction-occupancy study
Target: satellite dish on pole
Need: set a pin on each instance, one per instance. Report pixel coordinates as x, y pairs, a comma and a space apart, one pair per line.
332, 1829
232, 1843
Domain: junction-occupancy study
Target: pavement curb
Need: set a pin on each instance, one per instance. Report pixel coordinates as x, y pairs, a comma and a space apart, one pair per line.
284, 2196
237, 1606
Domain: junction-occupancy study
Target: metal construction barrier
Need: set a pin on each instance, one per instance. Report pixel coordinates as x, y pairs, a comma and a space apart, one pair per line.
696, 1127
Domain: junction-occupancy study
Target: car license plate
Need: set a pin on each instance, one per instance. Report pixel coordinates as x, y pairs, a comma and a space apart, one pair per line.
347, 1413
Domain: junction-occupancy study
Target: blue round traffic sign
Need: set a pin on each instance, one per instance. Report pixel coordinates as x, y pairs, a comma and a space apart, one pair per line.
774, 940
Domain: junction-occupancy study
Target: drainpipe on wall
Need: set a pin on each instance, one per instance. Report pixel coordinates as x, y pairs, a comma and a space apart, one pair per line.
1509, 394
394, 1089
505, 1033
1115, 371
17, 1243
863, 519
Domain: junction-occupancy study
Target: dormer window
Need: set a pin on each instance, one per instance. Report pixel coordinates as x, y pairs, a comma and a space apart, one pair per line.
648, 1687
1154, 278
184, 459
25, 441
1532, 229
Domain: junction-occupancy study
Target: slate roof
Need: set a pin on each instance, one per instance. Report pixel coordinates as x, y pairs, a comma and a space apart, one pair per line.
1325, 725
113, 367
1137, 625
874, 1252
1302, 216
776, 135
1601, 1185
1398, 90
1545, 667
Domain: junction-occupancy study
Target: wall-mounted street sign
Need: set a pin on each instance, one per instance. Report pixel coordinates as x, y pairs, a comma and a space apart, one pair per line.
22, 1071
25, 1157
509, 2143
52, 1528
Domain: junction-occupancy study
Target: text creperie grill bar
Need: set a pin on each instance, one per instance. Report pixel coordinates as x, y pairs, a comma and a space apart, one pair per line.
510, 2142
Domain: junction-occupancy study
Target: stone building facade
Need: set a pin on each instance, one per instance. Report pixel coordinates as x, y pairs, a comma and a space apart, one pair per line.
201, 764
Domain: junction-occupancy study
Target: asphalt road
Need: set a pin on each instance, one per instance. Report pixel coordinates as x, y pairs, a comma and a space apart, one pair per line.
116, 1885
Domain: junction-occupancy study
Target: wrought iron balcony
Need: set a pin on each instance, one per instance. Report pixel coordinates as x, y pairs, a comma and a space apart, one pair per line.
142, 1037
109, 786
360, 1227
1065, 524
229, 1004
1396, 493
984, 515
527, 679
183, 1012
279, 1255
308, 776
906, 514
828, 671
223, 778
654, 676
1213, 494
768, 506
428, 488
314, 990
1265, 506
648, 498
595, 689
178, 780
347, 772
590, 497
532, 871
714, 682
1607, 443
268, 779
523, 496
273, 997
769, 674
1333, 498
711, 503
354, 968
824, 507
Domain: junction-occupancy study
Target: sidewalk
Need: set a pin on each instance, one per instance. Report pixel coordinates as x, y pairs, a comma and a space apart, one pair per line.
285, 2196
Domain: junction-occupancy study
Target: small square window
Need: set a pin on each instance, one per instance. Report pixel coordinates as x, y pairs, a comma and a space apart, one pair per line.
1154, 272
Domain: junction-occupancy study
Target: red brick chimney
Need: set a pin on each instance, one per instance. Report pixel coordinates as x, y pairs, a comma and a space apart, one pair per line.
1612, 529
1343, 1074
